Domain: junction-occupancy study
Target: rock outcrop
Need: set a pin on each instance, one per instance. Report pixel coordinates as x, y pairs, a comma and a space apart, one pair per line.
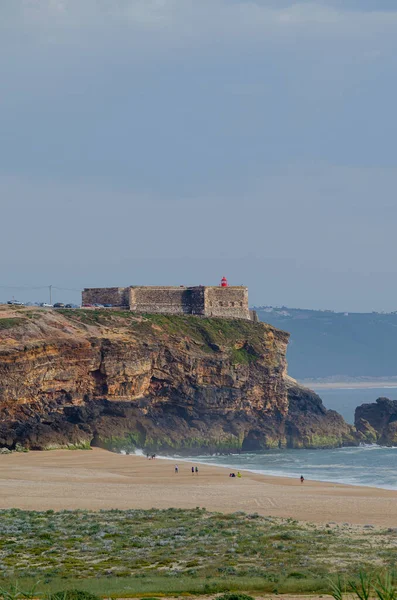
162, 383
310, 425
376, 423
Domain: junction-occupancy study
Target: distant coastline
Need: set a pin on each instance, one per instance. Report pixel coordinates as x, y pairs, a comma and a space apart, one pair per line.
329, 385
337, 347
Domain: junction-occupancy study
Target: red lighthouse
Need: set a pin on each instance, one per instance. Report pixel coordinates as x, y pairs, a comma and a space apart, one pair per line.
224, 282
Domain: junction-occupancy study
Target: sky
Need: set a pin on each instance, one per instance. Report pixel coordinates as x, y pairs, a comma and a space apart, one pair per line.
172, 142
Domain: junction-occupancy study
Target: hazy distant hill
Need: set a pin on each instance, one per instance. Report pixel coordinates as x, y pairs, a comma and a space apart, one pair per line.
326, 344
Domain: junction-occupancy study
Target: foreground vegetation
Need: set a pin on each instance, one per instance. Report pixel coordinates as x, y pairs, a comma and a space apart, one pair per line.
173, 551
363, 587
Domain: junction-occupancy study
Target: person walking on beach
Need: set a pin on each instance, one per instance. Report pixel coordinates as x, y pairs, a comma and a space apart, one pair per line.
192, 470
302, 479
196, 469
176, 469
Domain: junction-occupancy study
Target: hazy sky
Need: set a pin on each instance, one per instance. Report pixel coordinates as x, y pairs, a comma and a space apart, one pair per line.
175, 141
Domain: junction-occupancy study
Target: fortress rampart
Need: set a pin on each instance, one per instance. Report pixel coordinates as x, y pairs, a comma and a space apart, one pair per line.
116, 296
209, 301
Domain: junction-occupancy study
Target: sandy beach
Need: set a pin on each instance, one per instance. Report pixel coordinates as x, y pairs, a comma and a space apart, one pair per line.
97, 479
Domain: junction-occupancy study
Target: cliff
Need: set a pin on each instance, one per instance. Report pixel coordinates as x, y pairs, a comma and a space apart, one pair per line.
376, 423
179, 383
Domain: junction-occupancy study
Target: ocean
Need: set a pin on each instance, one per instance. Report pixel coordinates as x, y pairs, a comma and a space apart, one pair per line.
345, 400
374, 466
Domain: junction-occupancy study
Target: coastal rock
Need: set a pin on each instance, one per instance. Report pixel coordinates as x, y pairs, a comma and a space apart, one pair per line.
377, 422
310, 425
162, 383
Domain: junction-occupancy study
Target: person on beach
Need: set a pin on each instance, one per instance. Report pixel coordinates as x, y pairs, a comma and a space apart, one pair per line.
238, 474
192, 470
196, 469
176, 469
302, 479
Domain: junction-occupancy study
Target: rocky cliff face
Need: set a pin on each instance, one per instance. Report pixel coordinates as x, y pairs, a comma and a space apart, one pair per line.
310, 425
119, 380
376, 423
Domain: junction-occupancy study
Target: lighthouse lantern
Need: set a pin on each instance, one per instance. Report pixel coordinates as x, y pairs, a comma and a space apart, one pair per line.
224, 282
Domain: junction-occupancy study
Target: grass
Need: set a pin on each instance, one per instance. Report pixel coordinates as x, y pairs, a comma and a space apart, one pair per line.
175, 551
214, 332
10, 322
363, 587
127, 587
243, 340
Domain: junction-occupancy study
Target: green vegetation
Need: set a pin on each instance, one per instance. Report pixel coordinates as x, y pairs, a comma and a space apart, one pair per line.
243, 340
234, 596
14, 592
319, 441
242, 356
82, 445
173, 551
130, 441
367, 585
20, 448
10, 322
214, 333
99, 316
73, 595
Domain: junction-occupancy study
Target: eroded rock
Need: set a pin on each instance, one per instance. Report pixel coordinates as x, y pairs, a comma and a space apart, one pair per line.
162, 383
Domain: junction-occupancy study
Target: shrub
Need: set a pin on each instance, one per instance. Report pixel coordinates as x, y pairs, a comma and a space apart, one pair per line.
73, 595
20, 448
234, 596
14, 592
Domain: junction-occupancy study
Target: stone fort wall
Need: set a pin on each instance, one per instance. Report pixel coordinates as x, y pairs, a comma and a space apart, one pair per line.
227, 302
168, 300
116, 296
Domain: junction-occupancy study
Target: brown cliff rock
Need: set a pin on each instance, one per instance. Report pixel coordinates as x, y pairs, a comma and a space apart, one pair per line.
115, 379
310, 425
377, 422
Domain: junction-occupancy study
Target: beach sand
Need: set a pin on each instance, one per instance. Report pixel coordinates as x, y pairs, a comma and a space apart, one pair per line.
97, 479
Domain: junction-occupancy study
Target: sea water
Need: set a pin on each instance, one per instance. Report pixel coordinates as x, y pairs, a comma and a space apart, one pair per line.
345, 400
374, 466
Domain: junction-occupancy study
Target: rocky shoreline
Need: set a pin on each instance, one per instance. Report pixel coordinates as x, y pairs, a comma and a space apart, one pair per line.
376, 423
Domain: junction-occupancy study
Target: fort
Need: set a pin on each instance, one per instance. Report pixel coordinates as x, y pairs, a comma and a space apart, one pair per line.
209, 301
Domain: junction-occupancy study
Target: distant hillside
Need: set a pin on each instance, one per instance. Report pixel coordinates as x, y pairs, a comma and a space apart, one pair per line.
325, 344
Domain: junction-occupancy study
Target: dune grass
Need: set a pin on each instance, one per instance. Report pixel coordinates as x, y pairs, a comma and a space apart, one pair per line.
174, 551
135, 587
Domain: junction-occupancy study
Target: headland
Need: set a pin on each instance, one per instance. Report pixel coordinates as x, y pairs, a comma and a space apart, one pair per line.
164, 383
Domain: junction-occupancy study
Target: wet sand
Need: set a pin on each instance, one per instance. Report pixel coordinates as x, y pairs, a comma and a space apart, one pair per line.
96, 479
